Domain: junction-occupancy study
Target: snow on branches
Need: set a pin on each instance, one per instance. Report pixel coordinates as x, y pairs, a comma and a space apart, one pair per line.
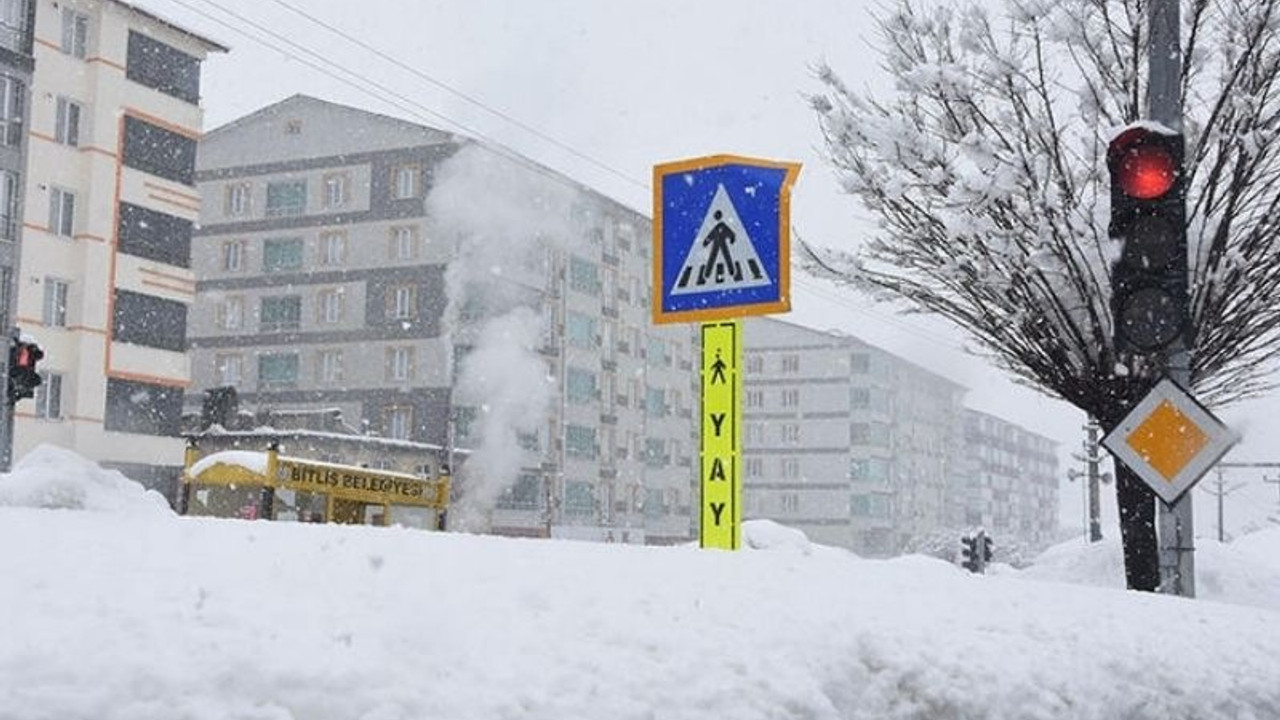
986, 170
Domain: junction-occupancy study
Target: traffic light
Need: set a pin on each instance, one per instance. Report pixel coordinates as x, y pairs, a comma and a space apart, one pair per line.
23, 377
1149, 301
969, 553
986, 549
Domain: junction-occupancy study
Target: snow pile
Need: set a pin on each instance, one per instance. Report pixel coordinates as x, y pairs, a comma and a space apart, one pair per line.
769, 535
56, 478
250, 460
1243, 572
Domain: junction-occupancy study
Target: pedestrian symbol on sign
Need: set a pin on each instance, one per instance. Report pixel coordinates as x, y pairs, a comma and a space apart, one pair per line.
723, 256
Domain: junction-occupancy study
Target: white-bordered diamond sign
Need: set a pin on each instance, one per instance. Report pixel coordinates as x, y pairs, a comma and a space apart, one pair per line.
1169, 440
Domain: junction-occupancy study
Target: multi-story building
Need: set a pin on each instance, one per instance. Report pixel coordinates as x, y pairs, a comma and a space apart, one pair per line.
1011, 480
17, 17
353, 260
110, 204
845, 441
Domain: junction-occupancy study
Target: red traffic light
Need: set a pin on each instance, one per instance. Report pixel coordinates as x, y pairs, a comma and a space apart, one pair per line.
1143, 164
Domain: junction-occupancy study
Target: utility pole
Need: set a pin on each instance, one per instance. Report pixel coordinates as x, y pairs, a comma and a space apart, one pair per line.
1220, 491
1092, 458
1164, 105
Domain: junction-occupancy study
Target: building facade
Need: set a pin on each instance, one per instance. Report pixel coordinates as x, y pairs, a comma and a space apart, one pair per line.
1011, 480
865, 450
111, 200
352, 260
17, 18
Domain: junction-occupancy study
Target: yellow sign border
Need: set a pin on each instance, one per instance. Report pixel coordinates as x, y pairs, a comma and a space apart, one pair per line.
783, 304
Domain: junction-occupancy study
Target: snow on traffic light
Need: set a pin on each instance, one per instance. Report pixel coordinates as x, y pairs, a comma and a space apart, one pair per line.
1148, 215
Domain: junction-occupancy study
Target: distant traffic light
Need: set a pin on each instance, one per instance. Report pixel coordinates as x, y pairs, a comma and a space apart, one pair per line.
969, 553
1148, 215
23, 376
986, 549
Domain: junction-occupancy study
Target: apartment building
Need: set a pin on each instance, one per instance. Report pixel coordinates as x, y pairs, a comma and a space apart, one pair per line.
16, 63
845, 441
110, 201
1011, 480
337, 261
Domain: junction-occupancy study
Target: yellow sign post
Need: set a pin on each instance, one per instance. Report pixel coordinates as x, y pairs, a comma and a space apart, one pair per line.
721, 451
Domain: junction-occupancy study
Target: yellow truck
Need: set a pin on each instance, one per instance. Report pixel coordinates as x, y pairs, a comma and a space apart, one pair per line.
252, 485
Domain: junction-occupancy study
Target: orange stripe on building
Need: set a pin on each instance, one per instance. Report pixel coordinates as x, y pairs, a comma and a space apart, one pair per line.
154, 186
86, 328
41, 136
82, 418
92, 149
164, 286
167, 124
89, 236
163, 199
33, 226
105, 61
31, 321
50, 45
150, 379
168, 276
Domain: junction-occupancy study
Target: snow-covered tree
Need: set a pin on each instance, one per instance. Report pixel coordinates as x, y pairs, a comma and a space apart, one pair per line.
986, 169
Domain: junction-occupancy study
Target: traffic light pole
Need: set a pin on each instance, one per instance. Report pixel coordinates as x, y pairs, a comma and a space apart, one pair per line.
1164, 105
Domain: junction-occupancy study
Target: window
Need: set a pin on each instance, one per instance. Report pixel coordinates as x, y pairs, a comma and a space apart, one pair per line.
404, 181
790, 363
579, 498
286, 198
790, 433
791, 467
55, 302
400, 363
860, 363
75, 33
755, 467
580, 441
790, 502
876, 506
580, 386
755, 363
8, 205
281, 254
293, 126
154, 235
329, 366
581, 330
159, 151
14, 33
656, 350
584, 276
655, 452
229, 368
67, 122
331, 306
860, 397
143, 408
230, 313
655, 401
233, 256
282, 312
162, 67
399, 422
12, 101
62, 212
333, 247
150, 321
524, 494
404, 242
277, 371
49, 396
790, 397
402, 301
337, 189
869, 470
237, 199
755, 398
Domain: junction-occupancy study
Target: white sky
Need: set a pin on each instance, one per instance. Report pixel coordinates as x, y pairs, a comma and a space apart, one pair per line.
628, 85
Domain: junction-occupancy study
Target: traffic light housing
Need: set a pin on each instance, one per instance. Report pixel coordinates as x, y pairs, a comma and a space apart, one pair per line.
969, 553
986, 549
1149, 298
23, 376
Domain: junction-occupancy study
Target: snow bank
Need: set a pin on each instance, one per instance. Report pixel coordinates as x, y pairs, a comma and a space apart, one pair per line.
56, 478
250, 460
1243, 572
102, 617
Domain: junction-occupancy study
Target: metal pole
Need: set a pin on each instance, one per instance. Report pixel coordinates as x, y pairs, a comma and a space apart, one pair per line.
1164, 105
1222, 494
1095, 505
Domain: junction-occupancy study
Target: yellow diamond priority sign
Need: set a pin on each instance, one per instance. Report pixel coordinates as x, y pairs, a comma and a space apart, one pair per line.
1169, 440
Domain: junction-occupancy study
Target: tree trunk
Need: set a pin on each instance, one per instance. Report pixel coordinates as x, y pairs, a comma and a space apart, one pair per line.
1137, 505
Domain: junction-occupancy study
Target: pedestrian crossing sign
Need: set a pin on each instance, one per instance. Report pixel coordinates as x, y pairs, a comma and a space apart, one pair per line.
722, 236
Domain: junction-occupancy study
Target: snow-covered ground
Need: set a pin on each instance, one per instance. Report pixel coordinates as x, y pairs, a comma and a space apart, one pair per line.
122, 610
